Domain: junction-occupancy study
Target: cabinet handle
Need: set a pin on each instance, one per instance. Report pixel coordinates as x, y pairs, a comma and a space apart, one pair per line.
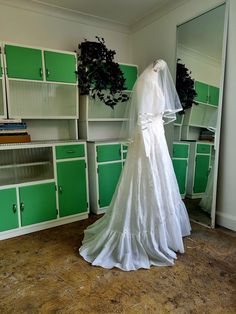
47, 73
41, 72
70, 151
22, 206
60, 189
14, 208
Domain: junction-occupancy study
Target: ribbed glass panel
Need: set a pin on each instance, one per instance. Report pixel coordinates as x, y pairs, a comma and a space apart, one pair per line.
26, 165
1, 99
37, 99
98, 110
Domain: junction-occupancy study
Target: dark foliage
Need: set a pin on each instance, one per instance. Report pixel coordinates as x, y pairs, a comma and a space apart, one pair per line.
185, 86
98, 75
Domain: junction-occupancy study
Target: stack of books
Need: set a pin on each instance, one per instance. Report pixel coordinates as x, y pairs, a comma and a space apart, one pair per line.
13, 131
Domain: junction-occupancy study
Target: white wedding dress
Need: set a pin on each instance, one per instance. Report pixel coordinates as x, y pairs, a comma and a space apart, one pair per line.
147, 219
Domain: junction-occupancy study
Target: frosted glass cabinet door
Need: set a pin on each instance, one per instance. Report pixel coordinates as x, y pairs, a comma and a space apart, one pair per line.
42, 100
24, 63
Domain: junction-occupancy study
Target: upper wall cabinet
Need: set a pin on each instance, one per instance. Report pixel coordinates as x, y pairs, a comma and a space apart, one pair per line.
24, 63
27, 63
207, 94
130, 73
60, 67
2, 89
41, 84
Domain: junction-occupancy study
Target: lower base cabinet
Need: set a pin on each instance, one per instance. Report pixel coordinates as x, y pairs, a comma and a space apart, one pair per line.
42, 185
8, 210
37, 203
106, 160
180, 164
72, 189
108, 177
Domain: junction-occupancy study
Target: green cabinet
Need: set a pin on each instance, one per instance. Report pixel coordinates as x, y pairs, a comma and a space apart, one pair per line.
8, 209
106, 161
34, 64
201, 173
130, 73
180, 168
72, 187
24, 63
60, 67
180, 164
37, 203
108, 177
108, 152
206, 93
199, 166
213, 95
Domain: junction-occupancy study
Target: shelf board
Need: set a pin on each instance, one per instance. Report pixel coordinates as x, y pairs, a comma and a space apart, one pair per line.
25, 165
107, 119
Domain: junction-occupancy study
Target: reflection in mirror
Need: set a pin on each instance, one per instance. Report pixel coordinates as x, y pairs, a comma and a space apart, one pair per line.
199, 48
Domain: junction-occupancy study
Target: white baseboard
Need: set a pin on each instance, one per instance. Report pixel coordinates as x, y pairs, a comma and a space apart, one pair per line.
226, 220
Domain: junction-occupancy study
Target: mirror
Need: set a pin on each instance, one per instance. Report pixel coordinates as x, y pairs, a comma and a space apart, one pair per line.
200, 43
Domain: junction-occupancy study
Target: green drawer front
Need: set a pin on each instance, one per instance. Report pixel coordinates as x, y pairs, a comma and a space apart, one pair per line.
180, 150
202, 92
108, 152
125, 147
213, 95
70, 151
130, 73
203, 148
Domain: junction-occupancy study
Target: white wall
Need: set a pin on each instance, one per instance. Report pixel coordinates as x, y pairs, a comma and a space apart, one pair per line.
202, 67
27, 27
158, 40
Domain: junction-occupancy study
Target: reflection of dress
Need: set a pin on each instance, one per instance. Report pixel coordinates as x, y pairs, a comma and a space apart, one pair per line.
146, 220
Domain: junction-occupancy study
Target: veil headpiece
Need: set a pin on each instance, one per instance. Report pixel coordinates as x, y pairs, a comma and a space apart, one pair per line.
154, 94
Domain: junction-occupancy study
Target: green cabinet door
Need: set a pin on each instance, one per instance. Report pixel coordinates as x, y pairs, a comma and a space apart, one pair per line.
180, 150
108, 177
72, 188
0, 65
201, 173
37, 203
130, 73
108, 152
180, 168
24, 63
8, 210
60, 67
213, 95
202, 92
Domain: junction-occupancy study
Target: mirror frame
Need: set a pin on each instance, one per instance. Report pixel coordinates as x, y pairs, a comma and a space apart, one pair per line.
219, 114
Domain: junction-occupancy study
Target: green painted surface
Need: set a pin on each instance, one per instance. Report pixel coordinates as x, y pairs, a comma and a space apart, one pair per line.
179, 118
108, 152
203, 148
180, 168
201, 173
24, 63
72, 188
8, 210
70, 151
214, 95
0, 65
130, 73
38, 203
108, 176
180, 150
202, 92
60, 67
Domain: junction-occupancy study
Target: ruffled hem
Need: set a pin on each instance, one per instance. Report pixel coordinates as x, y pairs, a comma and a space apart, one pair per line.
103, 246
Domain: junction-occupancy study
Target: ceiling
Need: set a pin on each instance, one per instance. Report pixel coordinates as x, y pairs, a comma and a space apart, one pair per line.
125, 12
